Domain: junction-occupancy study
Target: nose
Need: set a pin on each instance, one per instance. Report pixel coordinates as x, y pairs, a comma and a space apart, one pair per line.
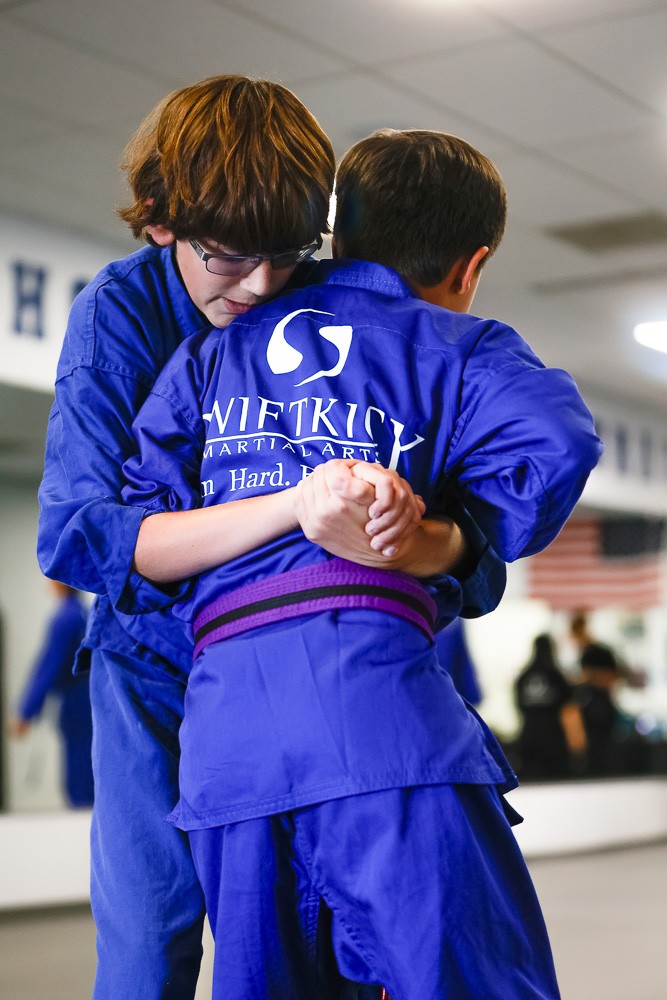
263, 280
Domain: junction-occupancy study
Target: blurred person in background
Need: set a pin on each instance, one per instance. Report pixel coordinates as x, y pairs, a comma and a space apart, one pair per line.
594, 698
52, 676
543, 698
582, 637
579, 631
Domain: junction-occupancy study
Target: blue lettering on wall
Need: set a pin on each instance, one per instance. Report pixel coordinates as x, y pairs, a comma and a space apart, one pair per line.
646, 454
29, 283
621, 449
78, 286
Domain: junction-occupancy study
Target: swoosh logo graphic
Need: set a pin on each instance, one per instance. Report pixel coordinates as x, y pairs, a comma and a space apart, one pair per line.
283, 358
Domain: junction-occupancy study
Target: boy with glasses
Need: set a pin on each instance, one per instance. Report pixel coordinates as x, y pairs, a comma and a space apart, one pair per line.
227, 167
328, 764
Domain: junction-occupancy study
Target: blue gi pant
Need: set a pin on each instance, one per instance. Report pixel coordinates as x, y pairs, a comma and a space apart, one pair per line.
76, 728
78, 779
425, 890
147, 902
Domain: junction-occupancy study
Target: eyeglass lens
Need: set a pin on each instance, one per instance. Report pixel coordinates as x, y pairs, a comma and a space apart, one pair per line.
236, 266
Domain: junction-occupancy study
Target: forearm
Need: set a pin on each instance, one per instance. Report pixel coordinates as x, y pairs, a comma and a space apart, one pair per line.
573, 726
175, 545
333, 507
436, 546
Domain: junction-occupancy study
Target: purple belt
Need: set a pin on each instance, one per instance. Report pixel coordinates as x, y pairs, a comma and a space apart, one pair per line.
325, 586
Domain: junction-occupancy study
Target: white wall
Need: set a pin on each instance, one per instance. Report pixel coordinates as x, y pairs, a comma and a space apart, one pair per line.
40, 268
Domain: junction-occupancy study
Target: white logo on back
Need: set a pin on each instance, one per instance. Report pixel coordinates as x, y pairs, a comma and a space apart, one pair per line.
283, 358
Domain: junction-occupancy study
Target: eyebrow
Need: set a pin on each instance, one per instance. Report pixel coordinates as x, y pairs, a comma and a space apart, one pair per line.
209, 246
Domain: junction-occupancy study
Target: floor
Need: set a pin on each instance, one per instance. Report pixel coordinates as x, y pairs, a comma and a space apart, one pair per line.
607, 916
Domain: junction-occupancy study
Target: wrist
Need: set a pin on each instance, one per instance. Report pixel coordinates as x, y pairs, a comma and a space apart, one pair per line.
436, 546
286, 501
416, 554
457, 558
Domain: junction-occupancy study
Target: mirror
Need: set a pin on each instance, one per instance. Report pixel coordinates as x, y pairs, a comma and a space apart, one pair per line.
583, 625
32, 764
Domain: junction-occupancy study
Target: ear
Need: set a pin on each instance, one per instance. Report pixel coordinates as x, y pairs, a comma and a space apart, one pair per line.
160, 235
466, 270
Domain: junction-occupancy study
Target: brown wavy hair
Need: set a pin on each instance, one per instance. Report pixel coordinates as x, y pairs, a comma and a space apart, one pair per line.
238, 161
417, 201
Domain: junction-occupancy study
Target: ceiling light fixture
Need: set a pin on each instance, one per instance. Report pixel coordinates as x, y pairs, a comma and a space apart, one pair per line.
652, 335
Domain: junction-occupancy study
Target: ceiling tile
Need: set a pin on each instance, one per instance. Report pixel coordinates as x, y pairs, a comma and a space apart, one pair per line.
546, 193
70, 85
531, 14
528, 256
353, 106
634, 161
376, 30
18, 124
603, 49
71, 161
176, 41
523, 92
531, 261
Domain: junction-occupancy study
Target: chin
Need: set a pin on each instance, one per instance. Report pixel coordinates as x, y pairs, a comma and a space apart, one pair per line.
219, 319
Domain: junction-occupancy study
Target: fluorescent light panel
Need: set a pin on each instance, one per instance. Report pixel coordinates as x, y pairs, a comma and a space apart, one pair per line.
653, 335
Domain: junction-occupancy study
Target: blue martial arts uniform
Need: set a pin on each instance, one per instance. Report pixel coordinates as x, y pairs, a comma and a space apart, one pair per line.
352, 702
52, 675
146, 899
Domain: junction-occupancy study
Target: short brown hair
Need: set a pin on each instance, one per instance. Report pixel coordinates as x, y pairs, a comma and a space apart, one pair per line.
234, 160
417, 201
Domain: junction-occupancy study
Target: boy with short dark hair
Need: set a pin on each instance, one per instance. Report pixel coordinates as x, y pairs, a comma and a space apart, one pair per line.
328, 764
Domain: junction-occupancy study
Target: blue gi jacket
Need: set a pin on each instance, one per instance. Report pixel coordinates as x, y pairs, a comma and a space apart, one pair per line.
455, 658
353, 366
122, 329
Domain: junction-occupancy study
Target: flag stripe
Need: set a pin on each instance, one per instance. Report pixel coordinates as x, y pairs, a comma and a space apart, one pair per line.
572, 573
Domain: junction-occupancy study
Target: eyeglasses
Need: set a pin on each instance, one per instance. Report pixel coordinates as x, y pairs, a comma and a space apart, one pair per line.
232, 265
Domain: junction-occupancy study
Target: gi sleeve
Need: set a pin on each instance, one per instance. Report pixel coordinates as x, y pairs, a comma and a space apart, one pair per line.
165, 472
523, 446
484, 586
86, 536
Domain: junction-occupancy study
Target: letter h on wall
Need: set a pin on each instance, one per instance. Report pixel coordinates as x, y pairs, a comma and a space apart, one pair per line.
29, 282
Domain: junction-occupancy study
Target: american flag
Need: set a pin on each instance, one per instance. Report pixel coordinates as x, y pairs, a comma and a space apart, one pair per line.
575, 572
